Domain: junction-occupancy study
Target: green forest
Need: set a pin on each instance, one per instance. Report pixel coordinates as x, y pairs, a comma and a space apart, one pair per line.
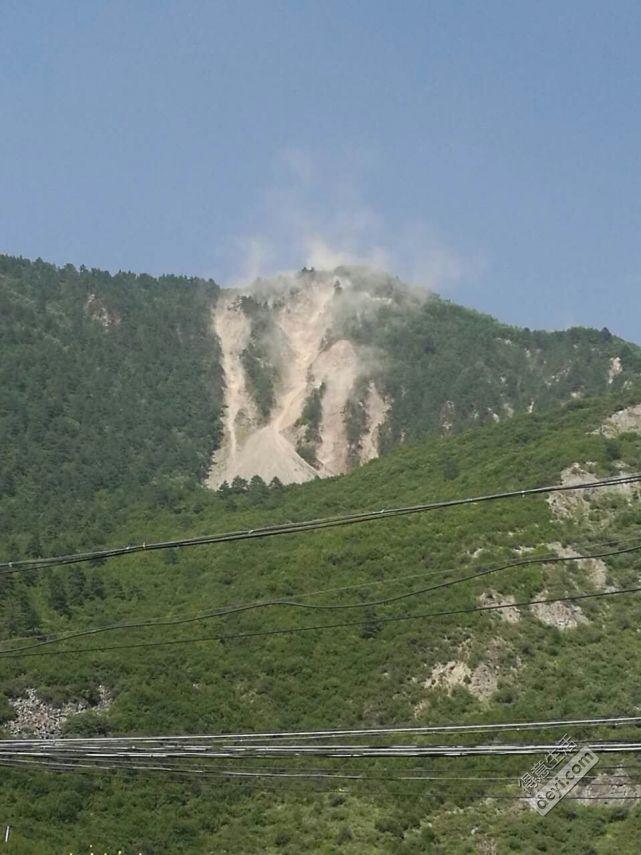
111, 396
111, 385
110, 388
369, 673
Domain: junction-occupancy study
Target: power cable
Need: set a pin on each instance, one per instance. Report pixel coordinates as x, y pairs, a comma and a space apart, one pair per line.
306, 525
550, 559
90, 743
292, 630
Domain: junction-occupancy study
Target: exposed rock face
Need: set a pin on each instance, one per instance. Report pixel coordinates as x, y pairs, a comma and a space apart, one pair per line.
481, 681
309, 351
448, 675
577, 504
35, 717
338, 368
510, 613
376, 409
574, 503
595, 568
616, 367
608, 789
560, 615
98, 311
623, 421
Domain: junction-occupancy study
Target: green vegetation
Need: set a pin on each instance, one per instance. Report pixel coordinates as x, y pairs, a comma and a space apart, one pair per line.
110, 410
373, 672
445, 368
109, 388
259, 359
310, 423
356, 421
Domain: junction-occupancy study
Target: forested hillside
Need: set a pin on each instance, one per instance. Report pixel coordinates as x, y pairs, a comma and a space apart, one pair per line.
444, 367
112, 385
447, 368
328, 369
107, 384
531, 664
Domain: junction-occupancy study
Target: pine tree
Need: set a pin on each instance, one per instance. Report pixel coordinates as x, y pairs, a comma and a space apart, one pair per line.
58, 595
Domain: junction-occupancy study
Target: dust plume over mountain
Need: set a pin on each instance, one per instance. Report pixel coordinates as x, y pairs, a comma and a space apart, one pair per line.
326, 369
291, 372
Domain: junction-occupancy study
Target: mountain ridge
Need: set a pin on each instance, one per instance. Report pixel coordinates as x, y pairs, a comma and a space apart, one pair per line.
112, 406
121, 384
328, 369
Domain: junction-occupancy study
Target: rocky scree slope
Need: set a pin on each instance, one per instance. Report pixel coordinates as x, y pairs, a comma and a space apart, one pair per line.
325, 370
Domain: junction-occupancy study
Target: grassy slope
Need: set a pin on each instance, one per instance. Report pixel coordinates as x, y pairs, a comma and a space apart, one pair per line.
343, 676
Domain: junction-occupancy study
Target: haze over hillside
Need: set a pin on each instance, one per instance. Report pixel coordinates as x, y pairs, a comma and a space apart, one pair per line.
134, 383
324, 370
117, 391
290, 373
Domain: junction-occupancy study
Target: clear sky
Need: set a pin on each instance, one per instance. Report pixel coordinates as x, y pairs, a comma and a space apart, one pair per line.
490, 150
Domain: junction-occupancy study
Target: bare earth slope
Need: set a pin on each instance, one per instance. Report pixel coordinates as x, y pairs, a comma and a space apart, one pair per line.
310, 357
324, 370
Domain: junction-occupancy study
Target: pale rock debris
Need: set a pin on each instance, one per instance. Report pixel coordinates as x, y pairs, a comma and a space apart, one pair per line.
376, 408
627, 420
509, 614
595, 568
615, 368
304, 314
563, 616
35, 717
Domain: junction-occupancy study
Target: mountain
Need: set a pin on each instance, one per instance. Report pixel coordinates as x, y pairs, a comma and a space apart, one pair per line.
122, 396
107, 384
325, 370
120, 387
295, 377
527, 663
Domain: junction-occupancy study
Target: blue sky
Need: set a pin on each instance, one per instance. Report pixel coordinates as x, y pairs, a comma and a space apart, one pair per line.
489, 150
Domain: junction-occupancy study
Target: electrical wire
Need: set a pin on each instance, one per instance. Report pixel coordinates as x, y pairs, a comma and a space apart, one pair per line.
331, 751
375, 583
230, 610
306, 525
305, 773
75, 742
293, 630
423, 794
254, 751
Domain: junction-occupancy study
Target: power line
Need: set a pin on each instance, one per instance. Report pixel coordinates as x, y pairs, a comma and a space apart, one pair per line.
435, 772
305, 526
331, 751
298, 773
267, 777
74, 743
372, 583
314, 773
292, 630
245, 607
405, 791
427, 773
